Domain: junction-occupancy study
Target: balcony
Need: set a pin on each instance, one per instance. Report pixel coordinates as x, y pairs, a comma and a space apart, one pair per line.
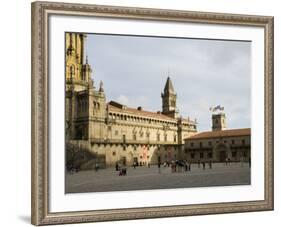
131, 142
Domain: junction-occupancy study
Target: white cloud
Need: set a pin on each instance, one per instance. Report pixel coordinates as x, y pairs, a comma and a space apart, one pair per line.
204, 73
123, 100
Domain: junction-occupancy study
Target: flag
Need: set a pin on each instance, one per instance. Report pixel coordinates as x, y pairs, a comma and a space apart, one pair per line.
218, 107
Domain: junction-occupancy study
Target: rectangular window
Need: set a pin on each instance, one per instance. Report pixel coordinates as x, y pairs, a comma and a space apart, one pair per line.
191, 144
243, 142
201, 155
134, 137
124, 138
109, 128
158, 137
147, 135
210, 155
210, 143
192, 155
234, 153
165, 137
200, 144
116, 132
175, 138
233, 141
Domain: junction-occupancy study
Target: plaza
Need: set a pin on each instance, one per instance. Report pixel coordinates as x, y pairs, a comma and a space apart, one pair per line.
147, 178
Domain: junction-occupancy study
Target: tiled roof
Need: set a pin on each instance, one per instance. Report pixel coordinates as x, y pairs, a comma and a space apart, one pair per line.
222, 133
117, 107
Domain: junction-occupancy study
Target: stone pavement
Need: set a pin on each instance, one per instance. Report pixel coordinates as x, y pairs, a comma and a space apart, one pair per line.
144, 178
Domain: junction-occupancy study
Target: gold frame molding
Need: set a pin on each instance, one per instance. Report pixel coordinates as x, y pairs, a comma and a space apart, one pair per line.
40, 191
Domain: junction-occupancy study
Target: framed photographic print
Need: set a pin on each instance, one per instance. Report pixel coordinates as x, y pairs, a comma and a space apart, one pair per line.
149, 113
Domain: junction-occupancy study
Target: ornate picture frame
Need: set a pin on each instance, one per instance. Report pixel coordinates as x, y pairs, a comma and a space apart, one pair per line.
41, 13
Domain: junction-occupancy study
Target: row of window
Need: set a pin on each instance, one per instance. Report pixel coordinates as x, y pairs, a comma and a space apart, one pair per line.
210, 154
141, 157
141, 135
210, 143
139, 119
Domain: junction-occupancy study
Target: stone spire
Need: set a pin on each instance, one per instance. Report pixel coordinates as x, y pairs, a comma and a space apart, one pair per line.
169, 86
169, 100
101, 87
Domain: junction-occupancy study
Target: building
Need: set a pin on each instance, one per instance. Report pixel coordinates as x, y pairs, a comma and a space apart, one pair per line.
220, 144
120, 133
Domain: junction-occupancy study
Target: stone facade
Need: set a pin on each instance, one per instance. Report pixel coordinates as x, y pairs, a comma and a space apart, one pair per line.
120, 133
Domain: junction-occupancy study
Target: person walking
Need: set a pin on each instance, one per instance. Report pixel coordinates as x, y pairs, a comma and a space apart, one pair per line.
210, 164
185, 166
97, 166
159, 166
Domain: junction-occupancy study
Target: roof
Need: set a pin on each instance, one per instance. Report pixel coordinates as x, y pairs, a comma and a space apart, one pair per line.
117, 107
169, 86
222, 133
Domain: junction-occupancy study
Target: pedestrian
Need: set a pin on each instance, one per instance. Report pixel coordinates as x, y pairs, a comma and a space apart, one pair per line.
210, 164
116, 166
185, 166
172, 167
97, 166
134, 165
203, 163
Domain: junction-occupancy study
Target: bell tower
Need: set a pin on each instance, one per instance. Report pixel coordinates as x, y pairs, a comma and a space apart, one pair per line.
218, 122
169, 100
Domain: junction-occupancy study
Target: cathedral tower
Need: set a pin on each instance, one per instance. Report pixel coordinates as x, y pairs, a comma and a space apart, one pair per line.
77, 84
169, 100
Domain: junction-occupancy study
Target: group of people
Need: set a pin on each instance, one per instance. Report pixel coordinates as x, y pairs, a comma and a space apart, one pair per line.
204, 164
122, 170
178, 165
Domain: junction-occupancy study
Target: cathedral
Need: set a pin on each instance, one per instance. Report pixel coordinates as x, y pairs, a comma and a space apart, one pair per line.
118, 132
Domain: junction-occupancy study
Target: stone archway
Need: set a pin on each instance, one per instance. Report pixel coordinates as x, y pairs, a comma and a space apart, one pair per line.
221, 151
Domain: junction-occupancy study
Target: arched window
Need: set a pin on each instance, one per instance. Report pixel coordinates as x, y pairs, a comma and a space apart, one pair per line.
72, 72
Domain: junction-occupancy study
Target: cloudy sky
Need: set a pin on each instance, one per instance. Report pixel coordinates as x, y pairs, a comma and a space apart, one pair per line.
205, 73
